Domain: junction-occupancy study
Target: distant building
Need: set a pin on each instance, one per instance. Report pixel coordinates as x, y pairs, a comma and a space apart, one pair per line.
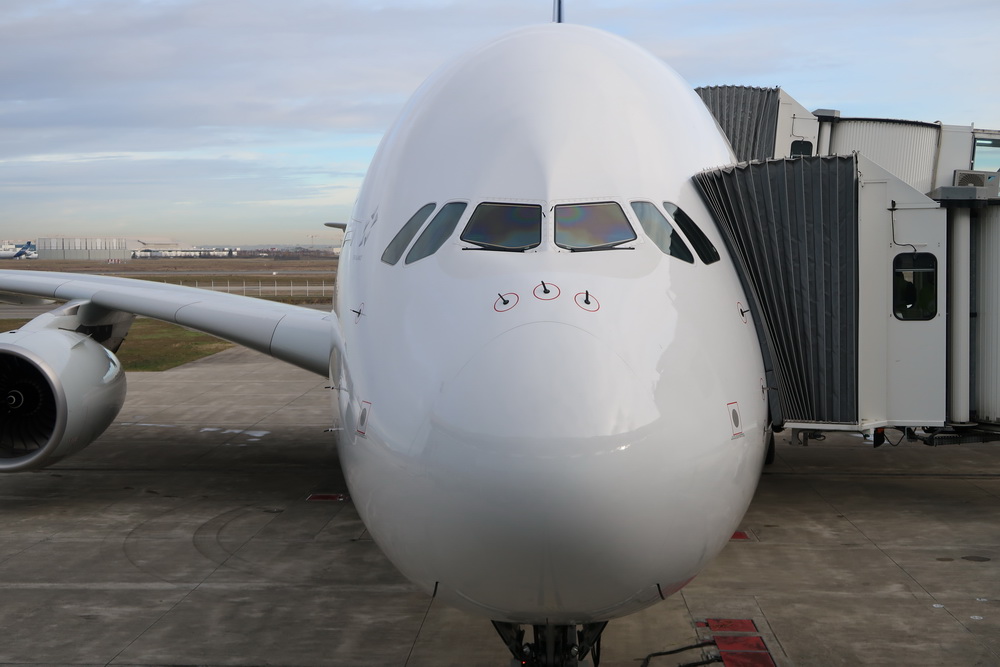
100, 248
159, 253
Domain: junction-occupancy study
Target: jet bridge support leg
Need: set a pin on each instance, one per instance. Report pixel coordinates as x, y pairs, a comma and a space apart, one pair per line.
959, 290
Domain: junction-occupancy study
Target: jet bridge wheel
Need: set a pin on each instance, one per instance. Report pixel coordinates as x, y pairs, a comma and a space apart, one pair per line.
554, 645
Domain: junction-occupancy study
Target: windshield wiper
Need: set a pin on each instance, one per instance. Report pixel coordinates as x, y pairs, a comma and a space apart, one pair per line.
616, 246
495, 248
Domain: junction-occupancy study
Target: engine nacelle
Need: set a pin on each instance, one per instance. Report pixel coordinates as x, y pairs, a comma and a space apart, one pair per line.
59, 390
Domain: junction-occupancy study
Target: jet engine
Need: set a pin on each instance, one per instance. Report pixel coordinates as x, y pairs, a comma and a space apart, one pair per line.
59, 390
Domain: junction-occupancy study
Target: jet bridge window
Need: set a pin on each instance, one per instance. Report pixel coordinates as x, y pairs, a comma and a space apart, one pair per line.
661, 232
592, 226
705, 249
397, 246
986, 154
914, 286
513, 227
801, 148
437, 231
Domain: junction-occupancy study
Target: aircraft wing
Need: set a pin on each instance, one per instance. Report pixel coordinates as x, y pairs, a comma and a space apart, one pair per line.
300, 336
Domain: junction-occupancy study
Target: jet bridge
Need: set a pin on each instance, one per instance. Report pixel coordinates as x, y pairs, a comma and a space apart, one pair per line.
845, 266
870, 248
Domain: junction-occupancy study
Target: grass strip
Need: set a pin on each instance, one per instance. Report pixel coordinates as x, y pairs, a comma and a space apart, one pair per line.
152, 345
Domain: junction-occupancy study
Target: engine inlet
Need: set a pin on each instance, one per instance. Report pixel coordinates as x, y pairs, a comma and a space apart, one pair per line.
27, 408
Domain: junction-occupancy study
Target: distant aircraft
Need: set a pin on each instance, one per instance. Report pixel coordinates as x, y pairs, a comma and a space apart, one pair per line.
552, 406
26, 251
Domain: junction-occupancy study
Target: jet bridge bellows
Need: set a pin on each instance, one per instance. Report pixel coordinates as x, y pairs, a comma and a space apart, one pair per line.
844, 265
747, 115
793, 224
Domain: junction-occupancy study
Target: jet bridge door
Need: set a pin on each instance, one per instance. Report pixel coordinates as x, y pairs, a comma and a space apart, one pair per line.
821, 244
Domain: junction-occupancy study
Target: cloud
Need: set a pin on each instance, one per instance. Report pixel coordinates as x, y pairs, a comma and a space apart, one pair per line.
115, 109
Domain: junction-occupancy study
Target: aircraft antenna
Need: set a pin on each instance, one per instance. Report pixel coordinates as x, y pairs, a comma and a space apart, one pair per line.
557, 11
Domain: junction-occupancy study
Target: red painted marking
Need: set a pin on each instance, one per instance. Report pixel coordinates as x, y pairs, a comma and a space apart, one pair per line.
740, 535
731, 625
335, 497
735, 418
581, 300
502, 307
701, 624
736, 659
740, 643
554, 292
364, 417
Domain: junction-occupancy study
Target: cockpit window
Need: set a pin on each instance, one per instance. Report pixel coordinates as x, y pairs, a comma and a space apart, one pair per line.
661, 232
514, 227
437, 231
592, 226
706, 251
397, 246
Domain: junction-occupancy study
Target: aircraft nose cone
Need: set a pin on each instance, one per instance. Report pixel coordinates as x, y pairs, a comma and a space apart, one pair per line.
546, 380
540, 438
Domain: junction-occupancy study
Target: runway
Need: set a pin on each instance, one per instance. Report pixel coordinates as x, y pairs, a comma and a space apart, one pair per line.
185, 536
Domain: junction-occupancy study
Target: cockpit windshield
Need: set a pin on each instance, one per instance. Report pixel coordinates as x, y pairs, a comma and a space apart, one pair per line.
512, 227
660, 231
592, 226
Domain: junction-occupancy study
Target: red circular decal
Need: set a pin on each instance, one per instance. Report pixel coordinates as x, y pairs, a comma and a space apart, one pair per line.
587, 301
546, 291
505, 302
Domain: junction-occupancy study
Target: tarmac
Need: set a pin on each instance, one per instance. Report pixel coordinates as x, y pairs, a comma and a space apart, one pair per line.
185, 536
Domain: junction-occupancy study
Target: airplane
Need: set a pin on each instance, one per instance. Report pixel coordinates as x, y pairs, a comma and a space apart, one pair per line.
26, 251
552, 405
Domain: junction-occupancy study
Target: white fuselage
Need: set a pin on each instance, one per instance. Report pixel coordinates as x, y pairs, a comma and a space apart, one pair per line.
563, 457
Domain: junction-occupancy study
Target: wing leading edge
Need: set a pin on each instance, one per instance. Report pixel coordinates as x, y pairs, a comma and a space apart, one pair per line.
301, 336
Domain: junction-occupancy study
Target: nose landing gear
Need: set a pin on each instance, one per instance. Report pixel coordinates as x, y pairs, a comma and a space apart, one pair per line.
554, 645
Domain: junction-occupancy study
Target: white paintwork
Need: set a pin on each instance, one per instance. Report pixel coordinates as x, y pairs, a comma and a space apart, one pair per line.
546, 462
988, 316
959, 315
901, 364
86, 381
956, 145
552, 462
300, 336
794, 123
23, 252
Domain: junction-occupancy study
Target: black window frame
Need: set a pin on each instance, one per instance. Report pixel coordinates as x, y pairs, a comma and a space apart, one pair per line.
913, 302
437, 232
703, 246
800, 148
676, 247
397, 246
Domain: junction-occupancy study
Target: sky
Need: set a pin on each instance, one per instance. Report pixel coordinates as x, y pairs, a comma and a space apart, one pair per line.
253, 121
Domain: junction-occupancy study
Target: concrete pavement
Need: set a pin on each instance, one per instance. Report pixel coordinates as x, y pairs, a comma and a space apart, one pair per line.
184, 536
